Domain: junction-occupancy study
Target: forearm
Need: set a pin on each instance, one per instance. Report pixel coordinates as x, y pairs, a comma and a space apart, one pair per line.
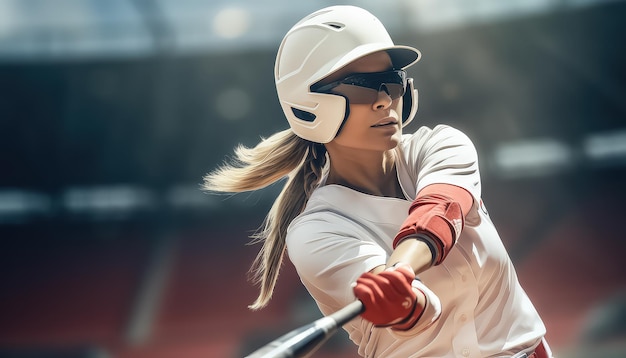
413, 252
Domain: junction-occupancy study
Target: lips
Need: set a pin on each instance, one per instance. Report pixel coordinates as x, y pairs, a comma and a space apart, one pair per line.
385, 122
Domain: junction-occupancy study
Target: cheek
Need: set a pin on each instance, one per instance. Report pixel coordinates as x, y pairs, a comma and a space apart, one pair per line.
397, 105
358, 112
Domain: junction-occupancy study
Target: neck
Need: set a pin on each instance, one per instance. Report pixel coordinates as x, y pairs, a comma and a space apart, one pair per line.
367, 172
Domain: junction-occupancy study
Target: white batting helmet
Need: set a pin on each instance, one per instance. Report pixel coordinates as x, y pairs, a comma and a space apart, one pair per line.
316, 47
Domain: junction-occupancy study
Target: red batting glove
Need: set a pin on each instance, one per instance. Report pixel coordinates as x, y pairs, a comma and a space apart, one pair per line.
388, 297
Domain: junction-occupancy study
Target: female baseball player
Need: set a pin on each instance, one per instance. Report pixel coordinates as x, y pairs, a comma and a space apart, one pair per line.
368, 213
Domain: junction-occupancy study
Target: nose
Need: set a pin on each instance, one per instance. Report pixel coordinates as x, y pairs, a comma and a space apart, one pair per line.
383, 100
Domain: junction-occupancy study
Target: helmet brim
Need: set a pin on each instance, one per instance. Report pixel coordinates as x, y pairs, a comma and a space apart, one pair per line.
401, 56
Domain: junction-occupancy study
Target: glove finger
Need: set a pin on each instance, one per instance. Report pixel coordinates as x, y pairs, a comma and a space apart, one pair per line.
397, 281
401, 274
366, 290
364, 294
375, 283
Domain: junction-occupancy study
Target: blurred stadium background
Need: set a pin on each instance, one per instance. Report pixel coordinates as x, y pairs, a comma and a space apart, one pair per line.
112, 111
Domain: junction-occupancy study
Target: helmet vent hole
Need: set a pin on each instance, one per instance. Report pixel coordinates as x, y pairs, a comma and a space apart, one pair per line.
335, 25
303, 115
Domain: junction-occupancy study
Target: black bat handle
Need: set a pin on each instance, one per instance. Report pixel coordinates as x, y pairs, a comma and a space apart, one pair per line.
306, 339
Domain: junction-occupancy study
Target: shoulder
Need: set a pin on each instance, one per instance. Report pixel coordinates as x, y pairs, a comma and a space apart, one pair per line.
329, 205
324, 238
319, 215
433, 144
438, 134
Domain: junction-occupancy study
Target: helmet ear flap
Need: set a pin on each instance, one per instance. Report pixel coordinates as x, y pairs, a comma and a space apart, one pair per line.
319, 120
409, 103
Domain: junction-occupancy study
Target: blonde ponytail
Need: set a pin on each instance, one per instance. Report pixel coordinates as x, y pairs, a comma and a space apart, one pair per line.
282, 155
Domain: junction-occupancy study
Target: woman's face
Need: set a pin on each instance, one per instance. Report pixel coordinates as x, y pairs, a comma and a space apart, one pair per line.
373, 126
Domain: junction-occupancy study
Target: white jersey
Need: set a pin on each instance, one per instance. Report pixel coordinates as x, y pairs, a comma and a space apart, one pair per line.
343, 233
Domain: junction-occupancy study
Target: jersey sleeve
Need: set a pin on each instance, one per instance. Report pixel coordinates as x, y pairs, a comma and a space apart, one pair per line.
329, 255
444, 155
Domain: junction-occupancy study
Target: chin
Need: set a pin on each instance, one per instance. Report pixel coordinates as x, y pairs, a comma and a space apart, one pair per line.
395, 144
396, 138
392, 143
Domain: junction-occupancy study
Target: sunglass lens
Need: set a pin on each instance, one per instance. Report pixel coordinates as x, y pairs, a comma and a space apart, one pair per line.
357, 94
366, 95
394, 90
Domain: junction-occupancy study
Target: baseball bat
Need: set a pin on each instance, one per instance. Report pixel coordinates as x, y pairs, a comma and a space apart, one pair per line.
303, 341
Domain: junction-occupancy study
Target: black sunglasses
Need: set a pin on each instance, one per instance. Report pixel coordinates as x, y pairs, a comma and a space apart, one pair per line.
363, 88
